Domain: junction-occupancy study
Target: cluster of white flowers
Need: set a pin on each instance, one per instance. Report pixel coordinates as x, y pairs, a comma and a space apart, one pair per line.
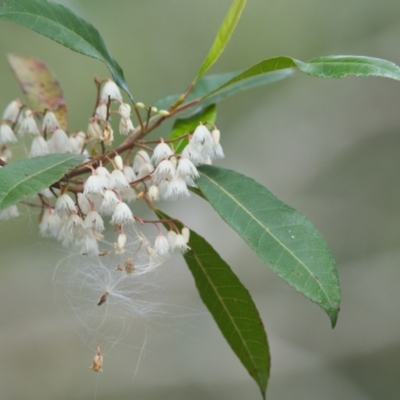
18, 121
153, 174
73, 212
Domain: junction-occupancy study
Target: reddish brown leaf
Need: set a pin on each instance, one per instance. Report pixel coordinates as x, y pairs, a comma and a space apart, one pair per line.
41, 88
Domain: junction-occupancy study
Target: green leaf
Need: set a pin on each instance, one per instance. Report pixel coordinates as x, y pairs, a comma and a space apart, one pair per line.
183, 126
62, 25
341, 66
25, 178
210, 83
322, 67
282, 237
221, 40
231, 305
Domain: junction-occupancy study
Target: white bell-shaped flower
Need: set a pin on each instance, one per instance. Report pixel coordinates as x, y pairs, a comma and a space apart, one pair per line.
176, 189
110, 89
161, 151
64, 205
50, 122
39, 147
6, 134
122, 214
161, 246
11, 111
59, 142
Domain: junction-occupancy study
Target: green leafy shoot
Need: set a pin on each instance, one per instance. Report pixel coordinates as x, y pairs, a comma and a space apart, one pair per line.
25, 178
212, 82
230, 304
282, 237
224, 34
321, 67
60, 24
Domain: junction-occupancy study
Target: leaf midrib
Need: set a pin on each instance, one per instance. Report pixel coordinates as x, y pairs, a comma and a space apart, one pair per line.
267, 231
204, 270
32, 176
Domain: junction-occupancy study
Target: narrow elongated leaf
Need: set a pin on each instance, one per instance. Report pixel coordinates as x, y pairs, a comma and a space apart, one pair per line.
210, 83
282, 237
25, 178
224, 34
183, 126
231, 305
62, 25
41, 88
321, 67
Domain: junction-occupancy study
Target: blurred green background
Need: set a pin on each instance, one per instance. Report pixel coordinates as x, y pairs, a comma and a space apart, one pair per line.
330, 148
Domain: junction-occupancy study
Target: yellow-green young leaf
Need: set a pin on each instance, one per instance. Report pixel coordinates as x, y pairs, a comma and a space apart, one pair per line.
23, 179
224, 34
41, 88
62, 25
282, 237
230, 304
183, 126
321, 67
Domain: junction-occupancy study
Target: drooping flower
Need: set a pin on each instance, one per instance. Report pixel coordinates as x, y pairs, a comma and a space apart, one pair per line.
11, 111
122, 214
59, 143
176, 189
50, 122
125, 110
165, 170
28, 125
6, 134
39, 147
64, 205
187, 169
50, 223
9, 212
161, 151
110, 89
161, 246
94, 221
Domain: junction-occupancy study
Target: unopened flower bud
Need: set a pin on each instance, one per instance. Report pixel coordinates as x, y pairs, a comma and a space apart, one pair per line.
215, 134
163, 113
140, 105
186, 233
154, 193
154, 109
119, 163
121, 242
